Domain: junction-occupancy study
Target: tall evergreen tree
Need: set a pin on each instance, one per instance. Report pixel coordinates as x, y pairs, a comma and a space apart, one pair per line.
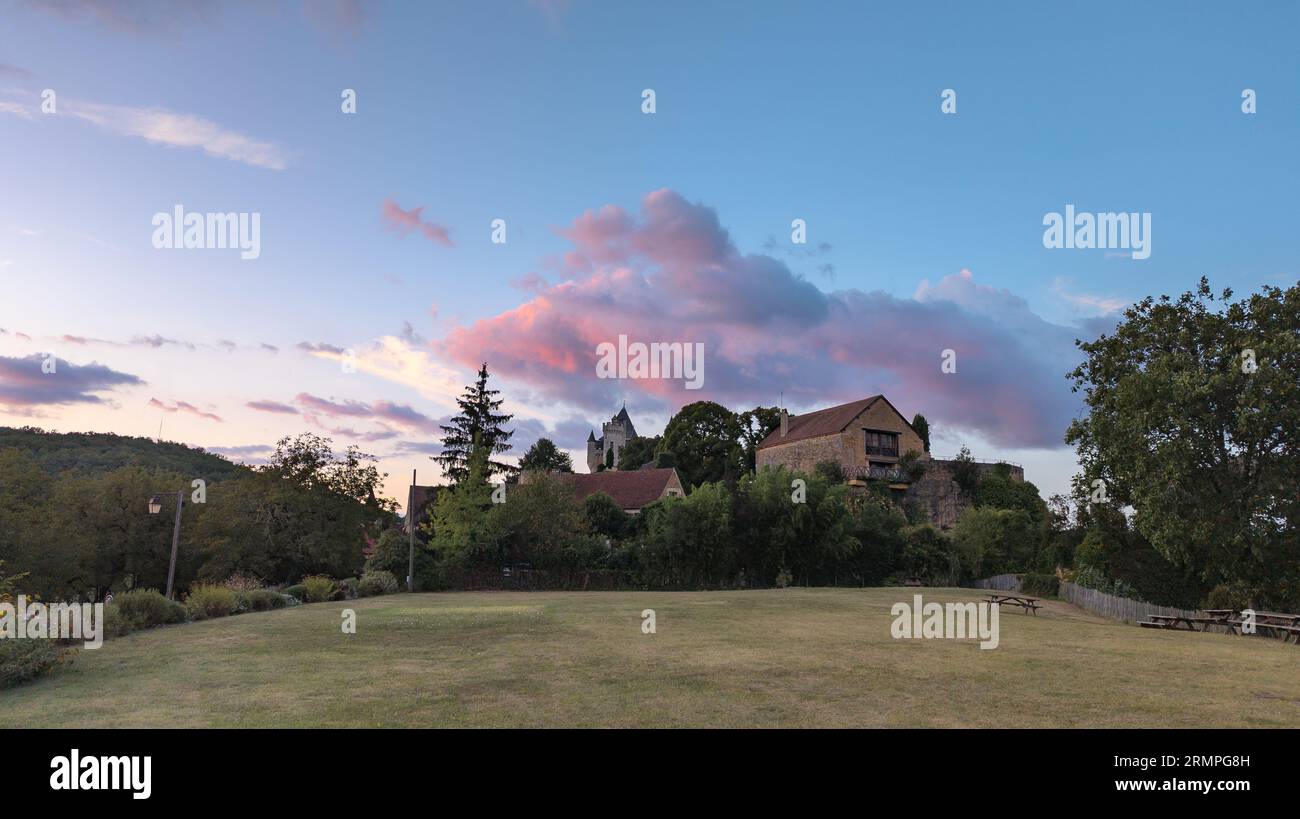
922, 428
478, 419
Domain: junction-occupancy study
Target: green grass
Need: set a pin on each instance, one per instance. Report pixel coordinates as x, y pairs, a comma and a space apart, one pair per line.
794, 657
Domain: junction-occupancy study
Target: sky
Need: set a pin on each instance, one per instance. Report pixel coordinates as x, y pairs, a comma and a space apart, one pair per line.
377, 288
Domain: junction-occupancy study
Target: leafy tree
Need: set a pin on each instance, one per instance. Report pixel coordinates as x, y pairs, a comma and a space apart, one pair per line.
999, 490
604, 515
704, 440
965, 472
478, 423
688, 541
995, 541
928, 554
1194, 421
545, 456
458, 529
638, 452
543, 524
392, 554
755, 425
922, 428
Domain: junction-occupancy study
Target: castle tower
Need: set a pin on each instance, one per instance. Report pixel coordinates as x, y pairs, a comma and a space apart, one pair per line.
615, 433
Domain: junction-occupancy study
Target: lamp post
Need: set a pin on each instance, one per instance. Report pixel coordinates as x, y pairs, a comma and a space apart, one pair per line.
155, 506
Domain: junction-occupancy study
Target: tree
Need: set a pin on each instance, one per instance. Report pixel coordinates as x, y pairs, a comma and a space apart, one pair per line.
638, 452
965, 472
922, 428
704, 440
543, 524
604, 515
477, 421
755, 425
1194, 421
545, 456
458, 528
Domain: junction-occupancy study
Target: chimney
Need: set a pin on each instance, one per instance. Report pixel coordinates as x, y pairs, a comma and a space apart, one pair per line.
785, 422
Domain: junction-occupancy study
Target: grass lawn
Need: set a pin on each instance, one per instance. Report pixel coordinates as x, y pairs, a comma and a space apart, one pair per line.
794, 657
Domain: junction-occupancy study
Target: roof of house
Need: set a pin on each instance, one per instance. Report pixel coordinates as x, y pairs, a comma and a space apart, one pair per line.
828, 421
418, 500
630, 490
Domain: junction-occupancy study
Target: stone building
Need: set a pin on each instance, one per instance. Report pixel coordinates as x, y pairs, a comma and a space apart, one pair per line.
868, 439
630, 490
614, 435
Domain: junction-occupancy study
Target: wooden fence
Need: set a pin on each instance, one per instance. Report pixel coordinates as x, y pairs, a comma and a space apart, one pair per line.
1000, 582
1116, 608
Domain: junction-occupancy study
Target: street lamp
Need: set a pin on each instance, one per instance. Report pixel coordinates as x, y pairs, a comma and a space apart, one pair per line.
155, 506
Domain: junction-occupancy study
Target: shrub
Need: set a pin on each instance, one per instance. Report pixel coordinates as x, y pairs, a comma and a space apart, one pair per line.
289, 600
263, 600
318, 588
146, 608
349, 587
297, 591
23, 660
1044, 585
209, 600
373, 583
243, 582
115, 624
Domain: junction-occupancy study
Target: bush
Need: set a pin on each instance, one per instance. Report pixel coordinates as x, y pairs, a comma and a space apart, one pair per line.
289, 600
115, 624
318, 589
374, 583
262, 600
243, 582
349, 587
297, 591
23, 660
146, 608
208, 600
1044, 585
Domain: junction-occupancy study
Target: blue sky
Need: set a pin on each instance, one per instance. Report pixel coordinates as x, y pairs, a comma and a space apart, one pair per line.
531, 112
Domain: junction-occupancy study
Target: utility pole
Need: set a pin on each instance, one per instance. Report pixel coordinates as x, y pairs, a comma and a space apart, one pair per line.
176, 539
410, 534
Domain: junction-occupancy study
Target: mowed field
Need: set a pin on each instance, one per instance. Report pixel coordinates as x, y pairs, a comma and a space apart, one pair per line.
793, 657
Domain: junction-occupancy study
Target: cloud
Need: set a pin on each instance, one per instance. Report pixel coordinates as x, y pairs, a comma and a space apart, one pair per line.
405, 221
316, 347
131, 16
272, 406
163, 127
249, 454
338, 16
400, 361
182, 406
14, 71
25, 386
671, 273
386, 412
1087, 303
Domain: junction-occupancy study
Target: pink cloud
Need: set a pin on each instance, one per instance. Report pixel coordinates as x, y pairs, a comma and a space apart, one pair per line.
405, 221
182, 406
671, 273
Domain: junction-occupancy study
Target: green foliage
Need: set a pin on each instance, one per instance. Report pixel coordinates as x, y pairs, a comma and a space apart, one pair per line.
687, 541
543, 524
392, 554
638, 452
458, 528
1042, 585
479, 424
1000, 491
317, 589
297, 591
604, 515
966, 472
928, 554
995, 541
376, 583
922, 428
207, 600
545, 456
1201, 444
23, 660
830, 471
755, 425
261, 600
813, 539
91, 453
704, 440
146, 608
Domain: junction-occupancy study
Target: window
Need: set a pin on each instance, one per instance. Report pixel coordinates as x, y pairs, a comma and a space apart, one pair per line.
881, 443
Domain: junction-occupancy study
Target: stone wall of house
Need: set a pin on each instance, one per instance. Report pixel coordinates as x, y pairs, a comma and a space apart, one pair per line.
938, 494
847, 448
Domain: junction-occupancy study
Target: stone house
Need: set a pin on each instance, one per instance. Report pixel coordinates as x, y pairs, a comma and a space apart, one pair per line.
614, 435
868, 439
630, 490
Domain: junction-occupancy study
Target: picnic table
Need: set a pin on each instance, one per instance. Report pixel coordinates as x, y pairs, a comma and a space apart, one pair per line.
1029, 604
1286, 626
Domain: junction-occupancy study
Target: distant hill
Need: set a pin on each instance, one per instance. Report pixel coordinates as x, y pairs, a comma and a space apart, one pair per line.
95, 452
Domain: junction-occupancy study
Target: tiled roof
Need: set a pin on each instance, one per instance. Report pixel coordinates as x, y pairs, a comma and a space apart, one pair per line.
822, 422
630, 490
